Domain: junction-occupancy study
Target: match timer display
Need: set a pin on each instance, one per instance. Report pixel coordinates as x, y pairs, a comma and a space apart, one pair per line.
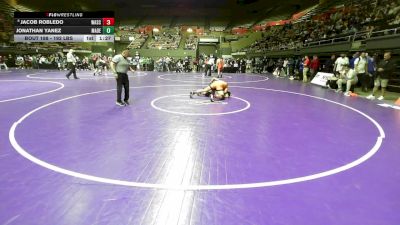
64, 26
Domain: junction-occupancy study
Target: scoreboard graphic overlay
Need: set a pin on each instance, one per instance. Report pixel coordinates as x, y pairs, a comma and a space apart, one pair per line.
64, 26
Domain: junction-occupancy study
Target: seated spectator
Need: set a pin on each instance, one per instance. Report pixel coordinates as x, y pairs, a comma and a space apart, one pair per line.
346, 76
3, 62
396, 21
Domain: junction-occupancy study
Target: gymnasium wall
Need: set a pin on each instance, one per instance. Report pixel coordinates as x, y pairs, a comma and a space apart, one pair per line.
207, 49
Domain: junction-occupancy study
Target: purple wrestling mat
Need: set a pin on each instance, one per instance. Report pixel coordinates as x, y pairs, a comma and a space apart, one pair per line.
276, 152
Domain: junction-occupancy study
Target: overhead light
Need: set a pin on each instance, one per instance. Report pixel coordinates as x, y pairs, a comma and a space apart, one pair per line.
131, 38
190, 30
155, 29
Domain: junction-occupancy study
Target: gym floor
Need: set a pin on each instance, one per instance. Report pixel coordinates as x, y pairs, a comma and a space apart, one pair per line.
276, 152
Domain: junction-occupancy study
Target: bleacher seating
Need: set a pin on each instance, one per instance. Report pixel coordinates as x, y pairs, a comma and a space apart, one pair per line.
191, 42
165, 39
346, 20
6, 29
138, 41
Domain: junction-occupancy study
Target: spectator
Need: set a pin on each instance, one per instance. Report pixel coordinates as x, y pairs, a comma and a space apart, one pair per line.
355, 56
306, 68
347, 76
361, 69
330, 64
3, 62
314, 66
385, 70
220, 66
342, 60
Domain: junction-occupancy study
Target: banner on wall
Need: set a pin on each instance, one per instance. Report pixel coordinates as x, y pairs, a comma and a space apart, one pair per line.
239, 53
209, 40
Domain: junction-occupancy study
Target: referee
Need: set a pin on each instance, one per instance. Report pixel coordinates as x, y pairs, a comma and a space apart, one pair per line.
71, 61
120, 66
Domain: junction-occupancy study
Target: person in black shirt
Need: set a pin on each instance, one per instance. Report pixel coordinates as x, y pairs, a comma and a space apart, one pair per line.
330, 64
384, 72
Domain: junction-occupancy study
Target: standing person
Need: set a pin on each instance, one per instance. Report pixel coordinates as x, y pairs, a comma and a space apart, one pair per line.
290, 67
242, 66
100, 65
220, 66
306, 68
207, 67
248, 65
342, 60
200, 65
10, 60
385, 70
361, 69
298, 68
372, 64
120, 66
236, 66
314, 66
352, 60
196, 65
330, 64
285, 66
71, 62
19, 62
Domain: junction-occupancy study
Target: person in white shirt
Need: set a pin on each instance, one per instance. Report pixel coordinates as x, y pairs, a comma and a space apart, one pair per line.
42, 60
285, 66
361, 69
342, 60
120, 66
211, 62
20, 62
71, 62
248, 66
347, 76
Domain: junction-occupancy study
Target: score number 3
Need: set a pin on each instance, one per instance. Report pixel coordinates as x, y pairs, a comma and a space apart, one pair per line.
108, 21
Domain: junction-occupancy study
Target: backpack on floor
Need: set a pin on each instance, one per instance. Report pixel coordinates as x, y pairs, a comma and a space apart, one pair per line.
332, 84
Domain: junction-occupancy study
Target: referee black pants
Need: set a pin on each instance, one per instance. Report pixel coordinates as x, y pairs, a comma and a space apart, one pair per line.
122, 81
72, 70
